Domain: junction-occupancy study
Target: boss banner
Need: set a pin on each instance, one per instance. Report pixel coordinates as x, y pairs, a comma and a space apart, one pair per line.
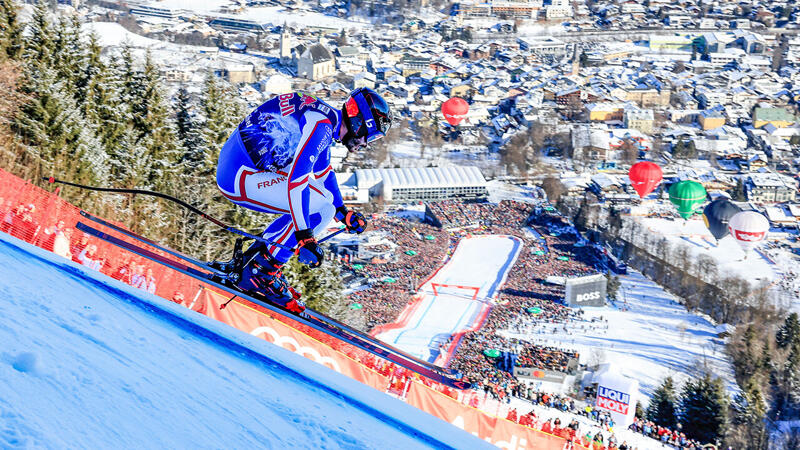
585, 291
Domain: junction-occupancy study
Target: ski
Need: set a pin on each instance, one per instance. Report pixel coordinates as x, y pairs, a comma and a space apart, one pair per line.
224, 275
190, 259
310, 318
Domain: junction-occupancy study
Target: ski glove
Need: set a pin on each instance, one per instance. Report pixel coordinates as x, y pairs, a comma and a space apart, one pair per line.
308, 252
353, 221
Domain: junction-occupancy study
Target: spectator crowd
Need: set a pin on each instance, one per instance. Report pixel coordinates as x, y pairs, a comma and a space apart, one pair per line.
549, 250
21, 221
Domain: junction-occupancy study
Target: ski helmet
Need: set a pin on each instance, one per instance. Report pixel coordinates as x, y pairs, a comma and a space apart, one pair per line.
367, 116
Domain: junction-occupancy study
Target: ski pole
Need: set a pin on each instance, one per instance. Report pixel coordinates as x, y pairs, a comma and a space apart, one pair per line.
215, 221
191, 208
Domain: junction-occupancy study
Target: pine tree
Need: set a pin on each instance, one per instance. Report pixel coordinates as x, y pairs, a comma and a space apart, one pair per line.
219, 114
49, 126
53, 132
187, 130
68, 52
661, 410
738, 193
679, 149
222, 111
748, 360
785, 380
38, 44
789, 333
704, 409
88, 76
10, 31
152, 121
749, 411
100, 92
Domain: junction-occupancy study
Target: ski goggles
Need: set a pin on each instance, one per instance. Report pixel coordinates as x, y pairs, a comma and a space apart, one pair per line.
362, 122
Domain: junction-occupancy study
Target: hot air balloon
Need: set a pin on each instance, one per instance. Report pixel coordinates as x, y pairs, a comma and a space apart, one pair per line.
717, 214
455, 110
687, 195
748, 228
644, 176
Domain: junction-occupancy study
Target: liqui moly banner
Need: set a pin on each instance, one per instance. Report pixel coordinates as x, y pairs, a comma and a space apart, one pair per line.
617, 394
613, 400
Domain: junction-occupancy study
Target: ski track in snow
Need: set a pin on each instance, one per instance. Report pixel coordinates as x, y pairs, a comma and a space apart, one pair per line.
92, 363
450, 311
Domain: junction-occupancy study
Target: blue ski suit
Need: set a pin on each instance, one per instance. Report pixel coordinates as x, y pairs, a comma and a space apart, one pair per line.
278, 161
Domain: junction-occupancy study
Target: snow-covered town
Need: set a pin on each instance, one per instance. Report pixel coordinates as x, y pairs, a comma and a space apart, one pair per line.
548, 223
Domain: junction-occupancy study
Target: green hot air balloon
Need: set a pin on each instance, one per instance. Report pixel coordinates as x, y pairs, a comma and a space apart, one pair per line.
687, 195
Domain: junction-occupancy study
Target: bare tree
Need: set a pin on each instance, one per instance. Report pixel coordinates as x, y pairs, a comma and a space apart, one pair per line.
10, 101
554, 188
630, 151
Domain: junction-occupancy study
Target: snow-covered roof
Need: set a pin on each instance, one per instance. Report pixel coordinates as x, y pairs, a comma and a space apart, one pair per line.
427, 177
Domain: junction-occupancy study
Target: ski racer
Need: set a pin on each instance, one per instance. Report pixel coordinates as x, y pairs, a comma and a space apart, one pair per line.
278, 161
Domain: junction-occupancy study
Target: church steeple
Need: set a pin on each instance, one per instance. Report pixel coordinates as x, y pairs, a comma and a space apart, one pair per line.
286, 45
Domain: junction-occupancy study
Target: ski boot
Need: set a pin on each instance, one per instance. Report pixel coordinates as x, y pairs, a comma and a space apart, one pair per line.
263, 275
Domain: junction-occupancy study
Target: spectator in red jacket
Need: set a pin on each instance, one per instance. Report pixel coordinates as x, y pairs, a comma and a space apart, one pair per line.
557, 427
528, 419
547, 427
512, 415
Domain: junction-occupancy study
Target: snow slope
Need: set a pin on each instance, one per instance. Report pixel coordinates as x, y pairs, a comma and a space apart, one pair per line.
437, 317
88, 362
113, 34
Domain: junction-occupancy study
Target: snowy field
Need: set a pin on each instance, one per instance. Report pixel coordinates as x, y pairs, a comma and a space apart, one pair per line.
88, 362
271, 15
482, 262
730, 257
277, 16
112, 34
648, 335
775, 266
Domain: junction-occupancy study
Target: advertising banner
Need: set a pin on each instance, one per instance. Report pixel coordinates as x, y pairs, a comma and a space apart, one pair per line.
585, 291
617, 394
500, 432
259, 324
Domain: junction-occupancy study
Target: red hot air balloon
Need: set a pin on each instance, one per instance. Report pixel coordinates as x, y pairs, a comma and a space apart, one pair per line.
645, 176
455, 110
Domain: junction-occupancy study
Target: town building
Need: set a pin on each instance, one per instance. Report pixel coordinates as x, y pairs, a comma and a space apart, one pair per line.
770, 187
777, 117
710, 119
601, 112
639, 119
237, 25
154, 11
543, 45
558, 9
516, 9
316, 63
